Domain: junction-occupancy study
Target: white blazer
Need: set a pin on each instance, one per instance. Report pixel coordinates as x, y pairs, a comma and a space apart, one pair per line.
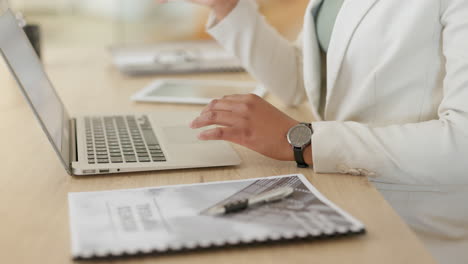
396, 107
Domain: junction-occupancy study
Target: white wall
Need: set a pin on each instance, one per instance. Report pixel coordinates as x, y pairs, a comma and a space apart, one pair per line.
41, 5
125, 9
128, 10
3, 6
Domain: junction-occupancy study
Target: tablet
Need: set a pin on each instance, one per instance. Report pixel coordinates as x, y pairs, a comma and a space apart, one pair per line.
194, 91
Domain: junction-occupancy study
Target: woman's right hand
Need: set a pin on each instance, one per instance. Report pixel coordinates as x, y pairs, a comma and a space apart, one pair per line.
221, 8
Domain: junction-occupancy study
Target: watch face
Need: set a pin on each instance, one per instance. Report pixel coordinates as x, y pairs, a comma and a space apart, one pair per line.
299, 135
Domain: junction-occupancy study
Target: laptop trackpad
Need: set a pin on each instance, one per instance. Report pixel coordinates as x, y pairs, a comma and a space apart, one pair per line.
181, 135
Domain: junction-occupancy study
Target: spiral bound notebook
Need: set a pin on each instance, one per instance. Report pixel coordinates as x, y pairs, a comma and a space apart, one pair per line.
174, 58
174, 218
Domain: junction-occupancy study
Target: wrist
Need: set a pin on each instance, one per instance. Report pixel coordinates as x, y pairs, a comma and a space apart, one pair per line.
223, 9
289, 154
308, 157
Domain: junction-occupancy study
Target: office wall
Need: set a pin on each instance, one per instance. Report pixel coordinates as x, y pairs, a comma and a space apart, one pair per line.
42, 5
285, 15
145, 21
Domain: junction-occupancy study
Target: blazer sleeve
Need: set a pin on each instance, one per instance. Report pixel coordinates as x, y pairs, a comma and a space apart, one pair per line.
265, 54
429, 153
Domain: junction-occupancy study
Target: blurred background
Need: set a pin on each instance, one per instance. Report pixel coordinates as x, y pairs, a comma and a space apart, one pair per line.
113, 22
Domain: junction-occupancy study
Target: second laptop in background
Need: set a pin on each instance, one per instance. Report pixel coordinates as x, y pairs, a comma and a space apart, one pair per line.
174, 58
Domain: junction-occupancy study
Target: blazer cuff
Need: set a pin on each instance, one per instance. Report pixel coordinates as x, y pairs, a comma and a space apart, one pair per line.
241, 16
333, 153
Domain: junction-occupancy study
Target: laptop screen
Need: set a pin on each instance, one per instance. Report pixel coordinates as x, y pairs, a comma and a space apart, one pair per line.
33, 81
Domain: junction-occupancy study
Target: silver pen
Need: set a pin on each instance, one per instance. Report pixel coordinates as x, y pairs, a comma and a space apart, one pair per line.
265, 197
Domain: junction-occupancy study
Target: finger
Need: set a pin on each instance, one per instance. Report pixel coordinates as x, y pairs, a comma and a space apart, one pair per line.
241, 97
235, 97
238, 103
220, 105
220, 133
221, 118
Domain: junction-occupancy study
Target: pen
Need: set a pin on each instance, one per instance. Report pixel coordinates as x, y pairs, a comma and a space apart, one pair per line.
265, 197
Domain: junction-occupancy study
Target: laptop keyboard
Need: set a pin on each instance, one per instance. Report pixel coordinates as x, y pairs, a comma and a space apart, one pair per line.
121, 139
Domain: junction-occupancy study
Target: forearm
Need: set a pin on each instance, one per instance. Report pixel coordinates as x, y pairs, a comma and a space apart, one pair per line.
430, 153
270, 58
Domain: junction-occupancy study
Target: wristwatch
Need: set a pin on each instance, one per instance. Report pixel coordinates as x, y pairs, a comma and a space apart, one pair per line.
300, 136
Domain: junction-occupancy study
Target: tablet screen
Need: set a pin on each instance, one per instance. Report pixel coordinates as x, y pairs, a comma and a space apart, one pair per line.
194, 91
186, 90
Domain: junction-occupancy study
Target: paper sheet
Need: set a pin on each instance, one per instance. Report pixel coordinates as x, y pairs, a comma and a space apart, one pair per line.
173, 218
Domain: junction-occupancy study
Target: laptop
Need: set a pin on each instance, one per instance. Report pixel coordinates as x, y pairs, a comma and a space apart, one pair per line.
174, 58
102, 144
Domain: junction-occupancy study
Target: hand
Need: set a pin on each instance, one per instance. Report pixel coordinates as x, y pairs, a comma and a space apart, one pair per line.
250, 121
221, 8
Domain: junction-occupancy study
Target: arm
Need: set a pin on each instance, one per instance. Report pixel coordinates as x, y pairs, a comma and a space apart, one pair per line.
271, 59
433, 152
247, 119
428, 153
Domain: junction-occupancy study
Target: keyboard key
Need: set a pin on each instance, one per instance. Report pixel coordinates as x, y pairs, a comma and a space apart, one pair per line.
116, 160
156, 151
159, 159
130, 159
150, 137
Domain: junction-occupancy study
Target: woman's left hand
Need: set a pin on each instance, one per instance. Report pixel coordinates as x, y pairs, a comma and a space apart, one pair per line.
250, 121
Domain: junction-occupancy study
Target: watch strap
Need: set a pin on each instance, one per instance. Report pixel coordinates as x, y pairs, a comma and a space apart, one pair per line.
299, 157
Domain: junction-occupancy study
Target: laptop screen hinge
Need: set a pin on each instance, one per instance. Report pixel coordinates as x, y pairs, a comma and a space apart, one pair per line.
73, 146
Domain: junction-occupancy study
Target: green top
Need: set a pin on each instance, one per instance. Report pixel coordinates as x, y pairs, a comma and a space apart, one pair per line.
325, 21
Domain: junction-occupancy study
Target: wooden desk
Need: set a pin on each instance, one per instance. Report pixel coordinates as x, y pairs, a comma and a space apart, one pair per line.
34, 186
